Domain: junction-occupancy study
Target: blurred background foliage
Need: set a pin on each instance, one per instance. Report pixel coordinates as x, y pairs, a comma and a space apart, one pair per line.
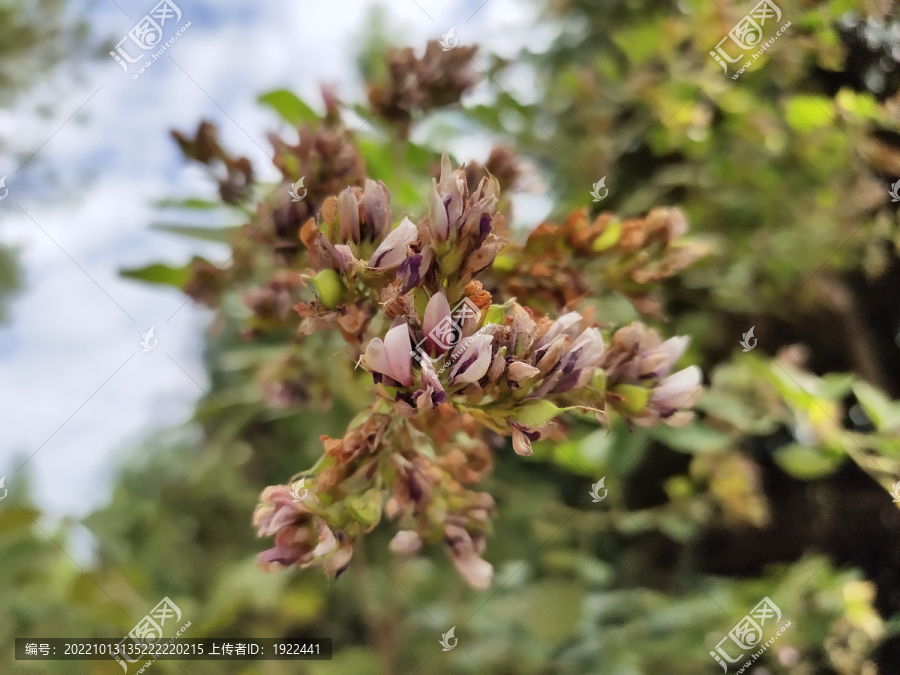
780, 488
35, 36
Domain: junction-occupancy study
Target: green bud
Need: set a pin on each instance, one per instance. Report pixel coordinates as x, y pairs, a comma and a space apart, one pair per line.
535, 413
608, 239
366, 508
631, 399
329, 287
504, 263
598, 382
420, 300
451, 262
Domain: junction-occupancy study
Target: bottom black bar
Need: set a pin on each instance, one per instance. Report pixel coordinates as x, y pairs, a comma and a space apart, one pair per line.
135, 650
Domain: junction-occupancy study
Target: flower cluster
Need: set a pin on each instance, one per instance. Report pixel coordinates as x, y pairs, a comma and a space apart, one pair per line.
361, 262
458, 335
639, 383
450, 368
561, 264
415, 84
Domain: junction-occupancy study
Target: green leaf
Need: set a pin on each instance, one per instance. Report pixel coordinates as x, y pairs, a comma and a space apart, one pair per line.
694, 438
289, 106
560, 609
804, 462
379, 161
805, 113
862, 105
494, 315
159, 274
504, 264
883, 412
190, 203
216, 234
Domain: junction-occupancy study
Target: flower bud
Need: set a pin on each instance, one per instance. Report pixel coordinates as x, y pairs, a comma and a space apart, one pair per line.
437, 216
349, 216
366, 508
376, 203
329, 287
519, 371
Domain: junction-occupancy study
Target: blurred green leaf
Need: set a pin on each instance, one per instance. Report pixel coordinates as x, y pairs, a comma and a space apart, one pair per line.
216, 234
160, 274
884, 413
806, 462
289, 106
805, 113
694, 438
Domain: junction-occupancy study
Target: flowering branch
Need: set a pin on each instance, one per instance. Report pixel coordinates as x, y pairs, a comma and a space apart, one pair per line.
450, 355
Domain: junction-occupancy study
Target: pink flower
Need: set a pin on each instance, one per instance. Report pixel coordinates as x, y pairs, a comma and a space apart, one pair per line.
453, 192
659, 361
576, 366
393, 357
518, 371
476, 571
406, 542
413, 269
437, 312
431, 394
473, 360
466, 556
563, 325
395, 247
522, 436
677, 390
